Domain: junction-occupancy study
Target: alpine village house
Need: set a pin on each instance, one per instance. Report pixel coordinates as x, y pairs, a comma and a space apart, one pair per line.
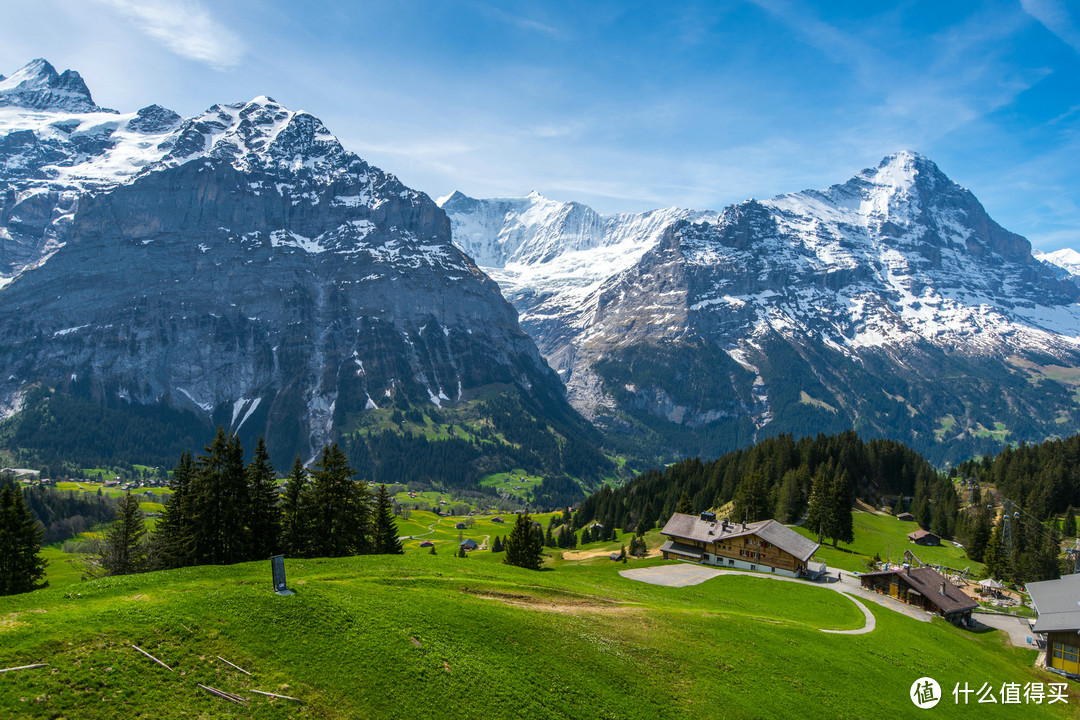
767, 546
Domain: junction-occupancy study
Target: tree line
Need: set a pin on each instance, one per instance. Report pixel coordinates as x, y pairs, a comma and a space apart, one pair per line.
778, 478
223, 511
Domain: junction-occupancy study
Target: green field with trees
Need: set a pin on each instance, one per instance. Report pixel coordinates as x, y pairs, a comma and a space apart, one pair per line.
424, 636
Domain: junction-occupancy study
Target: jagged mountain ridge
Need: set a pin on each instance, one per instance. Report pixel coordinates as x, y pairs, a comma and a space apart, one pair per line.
252, 271
891, 303
550, 258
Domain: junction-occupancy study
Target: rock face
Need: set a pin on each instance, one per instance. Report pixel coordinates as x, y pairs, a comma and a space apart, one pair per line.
254, 272
891, 303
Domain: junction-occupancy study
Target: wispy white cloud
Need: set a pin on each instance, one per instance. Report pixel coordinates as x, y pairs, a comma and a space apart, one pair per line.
1054, 15
520, 21
184, 27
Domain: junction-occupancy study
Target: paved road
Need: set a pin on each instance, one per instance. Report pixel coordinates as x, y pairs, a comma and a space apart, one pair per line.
1017, 628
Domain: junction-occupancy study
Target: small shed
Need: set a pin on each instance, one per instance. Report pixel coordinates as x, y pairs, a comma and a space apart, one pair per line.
497, 519
924, 537
460, 526
905, 517
468, 544
427, 544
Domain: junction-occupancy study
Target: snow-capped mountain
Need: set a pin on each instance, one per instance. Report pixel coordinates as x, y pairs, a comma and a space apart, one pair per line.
1067, 259
38, 86
56, 147
550, 258
890, 303
244, 266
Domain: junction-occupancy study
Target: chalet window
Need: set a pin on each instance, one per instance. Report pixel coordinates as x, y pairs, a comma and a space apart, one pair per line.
1070, 653
1057, 650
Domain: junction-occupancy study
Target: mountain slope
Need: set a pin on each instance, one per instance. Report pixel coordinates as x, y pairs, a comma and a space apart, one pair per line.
892, 304
260, 276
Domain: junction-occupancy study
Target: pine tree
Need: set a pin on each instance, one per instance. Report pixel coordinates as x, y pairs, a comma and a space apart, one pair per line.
264, 514
790, 501
296, 513
21, 565
840, 523
171, 543
549, 539
123, 551
752, 498
461, 552
980, 536
994, 557
1069, 528
341, 512
684, 506
220, 503
386, 533
817, 517
523, 546
496, 545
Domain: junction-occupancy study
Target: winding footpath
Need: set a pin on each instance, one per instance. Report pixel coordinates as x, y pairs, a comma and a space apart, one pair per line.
683, 575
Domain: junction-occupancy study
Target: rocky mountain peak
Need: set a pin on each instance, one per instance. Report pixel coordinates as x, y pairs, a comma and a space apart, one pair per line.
259, 134
38, 86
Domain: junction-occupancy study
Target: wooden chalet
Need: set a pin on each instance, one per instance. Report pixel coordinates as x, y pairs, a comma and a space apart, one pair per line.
905, 517
767, 546
1057, 606
427, 543
923, 587
468, 544
924, 537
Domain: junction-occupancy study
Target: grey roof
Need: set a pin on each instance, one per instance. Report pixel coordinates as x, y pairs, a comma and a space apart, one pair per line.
692, 527
927, 581
1057, 602
678, 548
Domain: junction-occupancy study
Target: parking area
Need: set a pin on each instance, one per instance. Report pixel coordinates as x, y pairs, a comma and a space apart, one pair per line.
673, 575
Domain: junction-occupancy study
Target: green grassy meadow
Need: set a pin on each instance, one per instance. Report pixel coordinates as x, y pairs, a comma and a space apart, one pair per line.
420, 636
887, 536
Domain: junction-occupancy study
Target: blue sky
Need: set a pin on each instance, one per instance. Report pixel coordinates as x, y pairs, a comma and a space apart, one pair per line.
621, 105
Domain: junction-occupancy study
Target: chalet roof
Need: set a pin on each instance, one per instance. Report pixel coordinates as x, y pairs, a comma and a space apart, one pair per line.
905, 517
921, 534
1057, 602
677, 548
692, 527
927, 582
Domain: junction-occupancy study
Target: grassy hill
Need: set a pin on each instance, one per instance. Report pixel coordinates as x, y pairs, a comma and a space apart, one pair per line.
421, 636
887, 537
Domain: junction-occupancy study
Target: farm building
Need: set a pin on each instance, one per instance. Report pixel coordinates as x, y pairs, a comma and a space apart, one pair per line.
427, 544
497, 519
1057, 606
766, 545
460, 526
924, 537
905, 517
468, 544
925, 588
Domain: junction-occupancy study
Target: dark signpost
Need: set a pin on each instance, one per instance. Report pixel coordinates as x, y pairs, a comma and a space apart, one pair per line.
277, 564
